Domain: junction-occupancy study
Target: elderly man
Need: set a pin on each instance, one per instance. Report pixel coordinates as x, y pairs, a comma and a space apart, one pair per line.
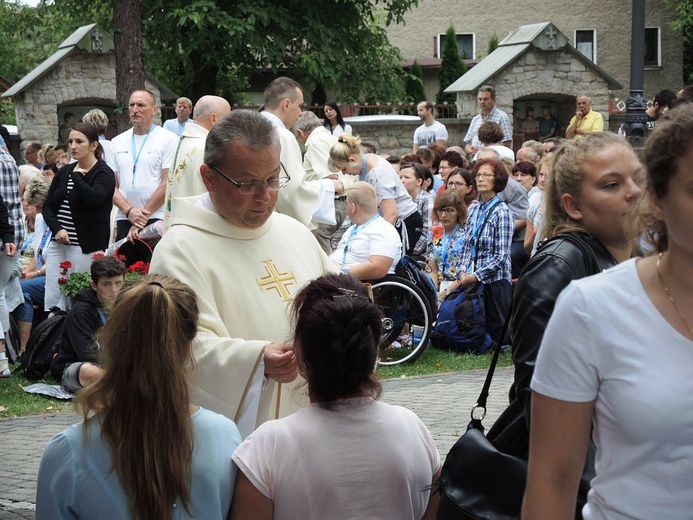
371, 247
183, 110
185, 180
309, 202
431, 131
585, 121
246, 262
141, 158
318, 140
487, 103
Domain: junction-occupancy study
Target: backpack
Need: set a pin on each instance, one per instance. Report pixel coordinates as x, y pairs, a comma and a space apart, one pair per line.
42, 345
461, 322
409, 268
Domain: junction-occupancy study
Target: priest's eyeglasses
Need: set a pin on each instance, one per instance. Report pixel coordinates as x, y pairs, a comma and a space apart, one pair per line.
253, 188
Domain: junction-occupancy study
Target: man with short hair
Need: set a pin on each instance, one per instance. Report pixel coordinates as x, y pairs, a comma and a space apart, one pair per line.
141, 158
318, 141
309, 202
487, 104
585, 121
246, 263
75, 362
431, 131
551, 144
184, 179
31, 154
371, 247
184, 108
660, 103
527, 154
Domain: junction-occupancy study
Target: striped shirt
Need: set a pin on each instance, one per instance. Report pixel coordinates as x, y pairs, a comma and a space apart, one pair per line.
65, 215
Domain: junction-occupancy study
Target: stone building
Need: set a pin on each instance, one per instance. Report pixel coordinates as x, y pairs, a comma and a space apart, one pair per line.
535, 72
79, 76
599, 29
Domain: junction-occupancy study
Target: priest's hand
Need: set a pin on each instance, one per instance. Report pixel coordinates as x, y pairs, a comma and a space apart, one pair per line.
280, 362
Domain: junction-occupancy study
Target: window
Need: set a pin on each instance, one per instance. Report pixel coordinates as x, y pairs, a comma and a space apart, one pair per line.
586, 43
653, 55
465, 44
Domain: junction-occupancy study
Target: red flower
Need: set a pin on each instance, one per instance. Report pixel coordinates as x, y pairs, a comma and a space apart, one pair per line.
437, 233
139, 267
122, 258
65, 265
96, 256
62, 280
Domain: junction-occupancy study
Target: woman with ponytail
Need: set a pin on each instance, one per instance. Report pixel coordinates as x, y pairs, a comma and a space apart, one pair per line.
346, 455
143, 451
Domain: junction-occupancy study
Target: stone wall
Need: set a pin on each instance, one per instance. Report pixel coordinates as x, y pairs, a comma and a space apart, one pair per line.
78, 80
556, 75
396, 138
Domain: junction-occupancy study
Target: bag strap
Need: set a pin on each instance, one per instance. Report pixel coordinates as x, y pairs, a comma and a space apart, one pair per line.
483, 396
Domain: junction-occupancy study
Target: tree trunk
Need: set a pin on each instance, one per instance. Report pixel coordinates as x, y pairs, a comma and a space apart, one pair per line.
128, 51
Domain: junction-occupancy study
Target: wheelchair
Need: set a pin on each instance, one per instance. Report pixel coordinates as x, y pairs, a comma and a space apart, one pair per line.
409, 306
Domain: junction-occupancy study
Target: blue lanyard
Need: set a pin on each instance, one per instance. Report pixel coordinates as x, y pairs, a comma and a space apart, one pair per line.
480, 219
446, 247
353, 233
102, 316
136, 156
44, 240
362, 177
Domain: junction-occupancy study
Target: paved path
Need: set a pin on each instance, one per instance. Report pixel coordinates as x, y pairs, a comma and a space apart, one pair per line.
443, 403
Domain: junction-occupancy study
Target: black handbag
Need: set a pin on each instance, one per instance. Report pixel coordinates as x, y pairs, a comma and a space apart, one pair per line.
477, 481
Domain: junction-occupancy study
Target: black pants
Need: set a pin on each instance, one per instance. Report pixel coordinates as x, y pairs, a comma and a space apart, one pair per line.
498, 298
123, 227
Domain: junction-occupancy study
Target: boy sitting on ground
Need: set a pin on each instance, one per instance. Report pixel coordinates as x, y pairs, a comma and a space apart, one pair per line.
74, 363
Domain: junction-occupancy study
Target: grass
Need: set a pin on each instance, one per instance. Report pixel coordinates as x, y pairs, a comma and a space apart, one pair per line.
15, 402
436, 361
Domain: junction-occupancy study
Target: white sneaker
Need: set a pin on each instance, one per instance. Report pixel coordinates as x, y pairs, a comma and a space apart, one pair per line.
4, 366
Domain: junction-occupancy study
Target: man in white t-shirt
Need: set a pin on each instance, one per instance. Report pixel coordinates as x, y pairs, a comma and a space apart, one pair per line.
184, 108
371, 247
141, 158
431, 131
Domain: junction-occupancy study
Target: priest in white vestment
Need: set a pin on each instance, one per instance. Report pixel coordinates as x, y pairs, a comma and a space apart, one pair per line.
246, 263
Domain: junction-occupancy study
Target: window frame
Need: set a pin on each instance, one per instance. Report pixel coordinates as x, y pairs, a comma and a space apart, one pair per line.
594, 43
659, 49
438, 51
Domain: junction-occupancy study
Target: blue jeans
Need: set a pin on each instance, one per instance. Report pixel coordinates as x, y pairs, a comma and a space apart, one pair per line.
34, 290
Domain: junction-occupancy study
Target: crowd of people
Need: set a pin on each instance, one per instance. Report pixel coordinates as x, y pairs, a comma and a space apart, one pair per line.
253, 339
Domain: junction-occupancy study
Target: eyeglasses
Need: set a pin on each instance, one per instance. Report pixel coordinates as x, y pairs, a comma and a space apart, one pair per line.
253, 188
484, 175
447, 211
455, 184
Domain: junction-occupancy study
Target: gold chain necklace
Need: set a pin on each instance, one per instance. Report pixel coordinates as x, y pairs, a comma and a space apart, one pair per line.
671, 298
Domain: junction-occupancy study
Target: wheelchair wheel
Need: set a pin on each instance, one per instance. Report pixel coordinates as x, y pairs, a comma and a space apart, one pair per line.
408, 320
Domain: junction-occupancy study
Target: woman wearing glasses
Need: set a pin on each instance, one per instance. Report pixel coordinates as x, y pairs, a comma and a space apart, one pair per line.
487, 237
446, 240
347, 454
394, 203
462, 181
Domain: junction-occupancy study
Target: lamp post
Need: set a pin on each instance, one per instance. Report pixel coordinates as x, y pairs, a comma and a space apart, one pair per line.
636, 119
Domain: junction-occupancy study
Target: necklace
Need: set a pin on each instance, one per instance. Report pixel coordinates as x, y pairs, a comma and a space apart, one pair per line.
671, 298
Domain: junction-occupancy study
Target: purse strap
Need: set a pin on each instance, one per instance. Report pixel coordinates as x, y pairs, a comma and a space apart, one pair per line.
483, 396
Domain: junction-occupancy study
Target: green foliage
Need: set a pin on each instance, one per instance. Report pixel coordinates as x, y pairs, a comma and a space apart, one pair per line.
684, 23
413, 84
493, 43
7, 114
451, 67
200, 47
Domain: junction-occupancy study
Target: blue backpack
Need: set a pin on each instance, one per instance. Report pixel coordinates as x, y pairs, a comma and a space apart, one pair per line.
410, 269
461, 322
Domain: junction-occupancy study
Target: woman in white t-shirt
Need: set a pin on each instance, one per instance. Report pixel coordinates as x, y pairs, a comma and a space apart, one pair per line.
617, 355
333, 120
346, 455
394, 202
